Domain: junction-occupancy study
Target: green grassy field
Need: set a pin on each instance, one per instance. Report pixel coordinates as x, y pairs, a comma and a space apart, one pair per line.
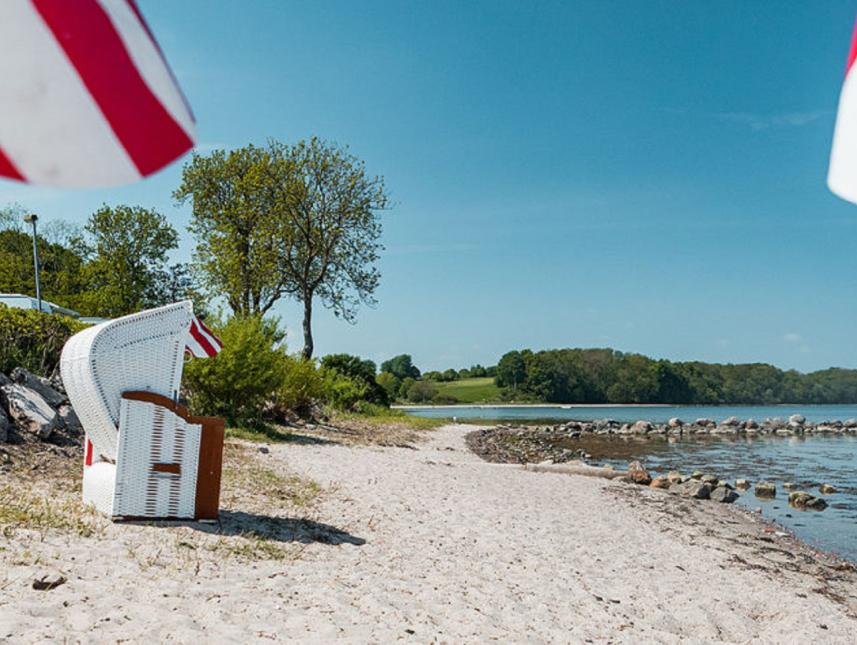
470, 390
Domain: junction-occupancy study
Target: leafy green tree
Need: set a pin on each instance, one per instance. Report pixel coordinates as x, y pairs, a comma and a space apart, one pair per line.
511, 370
391, 384
401, 366
359, 370
236, 197
450, 375
328, 228
421, 392
61, 266
126, 248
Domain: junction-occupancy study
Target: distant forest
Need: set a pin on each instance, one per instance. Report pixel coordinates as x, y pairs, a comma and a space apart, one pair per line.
609, 376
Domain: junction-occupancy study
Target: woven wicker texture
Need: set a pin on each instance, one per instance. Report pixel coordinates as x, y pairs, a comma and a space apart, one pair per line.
153, 436
143, 351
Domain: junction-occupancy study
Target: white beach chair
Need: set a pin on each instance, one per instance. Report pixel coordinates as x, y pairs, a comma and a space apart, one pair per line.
146, 456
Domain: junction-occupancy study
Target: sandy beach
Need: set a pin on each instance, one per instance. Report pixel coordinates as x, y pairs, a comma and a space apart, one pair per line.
425, 544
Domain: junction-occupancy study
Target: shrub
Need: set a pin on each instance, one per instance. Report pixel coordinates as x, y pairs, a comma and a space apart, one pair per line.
390, 383
244, 377
362, 371
302, 384
33, 339
421, 392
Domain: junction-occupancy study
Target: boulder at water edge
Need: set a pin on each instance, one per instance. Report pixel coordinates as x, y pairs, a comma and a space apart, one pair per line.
827, 489
692, 488
742, 484
661, 481
38, 384
638, 474
724, 495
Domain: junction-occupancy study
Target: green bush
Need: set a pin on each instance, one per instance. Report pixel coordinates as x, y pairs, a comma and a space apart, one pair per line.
33, 339
244, 377
302, 384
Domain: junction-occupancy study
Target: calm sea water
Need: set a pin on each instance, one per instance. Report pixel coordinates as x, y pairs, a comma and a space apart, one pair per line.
656, 414
805, 461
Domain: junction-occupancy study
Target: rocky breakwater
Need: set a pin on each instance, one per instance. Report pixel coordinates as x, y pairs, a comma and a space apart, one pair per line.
796, 424
35, 410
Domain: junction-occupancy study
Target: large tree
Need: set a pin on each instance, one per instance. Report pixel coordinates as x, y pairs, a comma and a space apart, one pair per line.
296, 220
329, 229
127, 249
235, 197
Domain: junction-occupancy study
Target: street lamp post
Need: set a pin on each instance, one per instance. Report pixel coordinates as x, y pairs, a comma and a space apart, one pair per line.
32, 218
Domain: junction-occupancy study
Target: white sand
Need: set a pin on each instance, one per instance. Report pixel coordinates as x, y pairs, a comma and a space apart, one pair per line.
456, 550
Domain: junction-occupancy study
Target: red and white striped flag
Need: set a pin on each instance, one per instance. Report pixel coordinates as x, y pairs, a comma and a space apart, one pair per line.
842, 174
86, 96
201, 341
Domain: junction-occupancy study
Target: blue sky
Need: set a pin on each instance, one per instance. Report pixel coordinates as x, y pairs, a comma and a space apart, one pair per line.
645, 176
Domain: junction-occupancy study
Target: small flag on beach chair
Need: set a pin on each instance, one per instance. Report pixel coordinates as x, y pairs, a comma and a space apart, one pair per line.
842, 174
86, 96
201, 341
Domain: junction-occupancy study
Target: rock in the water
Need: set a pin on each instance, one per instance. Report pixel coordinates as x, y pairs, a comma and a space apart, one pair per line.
661, 481
742, 484
641, 427
638, 474
751, 424
29, 411
724, 495
800, 499
766, 489
704, 422
692, 488
697, 474
731, 421
788, 485
709, 479
827, 489
798, 419
41, 385
675, 422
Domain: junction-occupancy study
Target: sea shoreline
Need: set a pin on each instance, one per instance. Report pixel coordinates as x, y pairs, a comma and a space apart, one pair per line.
428, 543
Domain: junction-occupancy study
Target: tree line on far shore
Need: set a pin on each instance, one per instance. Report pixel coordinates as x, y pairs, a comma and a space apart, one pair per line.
610, 376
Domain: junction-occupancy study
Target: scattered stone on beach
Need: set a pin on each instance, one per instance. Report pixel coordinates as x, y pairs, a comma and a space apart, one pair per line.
661, 481
703, 422
638, 474
724, 495
48, 582
692, 488
641, 427
798, 419
709, 479
742, 484
731, 421
697, 474
751, 424
675, 477
675, 422
800, 499
29, 410
38, 384
765, 489
5, 426
827, 489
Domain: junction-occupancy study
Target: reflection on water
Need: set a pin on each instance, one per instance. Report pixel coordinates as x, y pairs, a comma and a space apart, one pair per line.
805, 461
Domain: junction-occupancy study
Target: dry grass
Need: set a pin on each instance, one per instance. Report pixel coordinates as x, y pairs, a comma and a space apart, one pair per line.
21, 510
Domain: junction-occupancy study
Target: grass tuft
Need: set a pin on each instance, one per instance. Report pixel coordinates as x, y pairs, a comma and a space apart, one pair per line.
24, 511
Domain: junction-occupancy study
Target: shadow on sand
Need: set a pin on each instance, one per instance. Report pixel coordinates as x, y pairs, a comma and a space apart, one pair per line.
280, 529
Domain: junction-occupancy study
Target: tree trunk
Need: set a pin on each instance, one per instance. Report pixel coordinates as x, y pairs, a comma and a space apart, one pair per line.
308, 347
